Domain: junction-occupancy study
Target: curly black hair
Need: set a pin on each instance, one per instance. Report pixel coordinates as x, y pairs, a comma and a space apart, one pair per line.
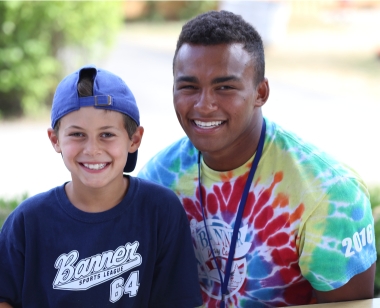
223, 27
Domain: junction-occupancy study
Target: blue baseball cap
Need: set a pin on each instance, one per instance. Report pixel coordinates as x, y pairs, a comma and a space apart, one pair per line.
109, 92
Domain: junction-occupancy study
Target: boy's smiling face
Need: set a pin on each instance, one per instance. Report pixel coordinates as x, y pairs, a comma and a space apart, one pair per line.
218, 103
94, 144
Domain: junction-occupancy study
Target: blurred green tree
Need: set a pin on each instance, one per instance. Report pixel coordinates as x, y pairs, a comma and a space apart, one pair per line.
39, 39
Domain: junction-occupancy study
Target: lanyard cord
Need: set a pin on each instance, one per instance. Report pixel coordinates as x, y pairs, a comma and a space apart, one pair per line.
224, 282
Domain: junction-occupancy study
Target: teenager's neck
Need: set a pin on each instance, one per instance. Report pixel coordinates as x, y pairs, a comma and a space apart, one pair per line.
93, 200
236, 155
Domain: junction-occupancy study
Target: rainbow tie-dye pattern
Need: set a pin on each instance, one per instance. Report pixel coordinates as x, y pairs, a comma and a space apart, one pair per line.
307, 221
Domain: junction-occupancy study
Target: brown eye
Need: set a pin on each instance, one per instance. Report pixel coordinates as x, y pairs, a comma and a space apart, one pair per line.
186, 87
225, 88
77, 134
107, 135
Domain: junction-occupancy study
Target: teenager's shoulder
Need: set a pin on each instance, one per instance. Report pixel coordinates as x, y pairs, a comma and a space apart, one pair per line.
180, 148
163, 167
290, 148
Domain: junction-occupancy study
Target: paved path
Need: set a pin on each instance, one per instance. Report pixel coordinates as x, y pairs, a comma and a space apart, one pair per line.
347, 127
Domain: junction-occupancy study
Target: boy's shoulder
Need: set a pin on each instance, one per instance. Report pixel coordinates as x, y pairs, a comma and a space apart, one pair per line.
145, 187
155, 198
37, 203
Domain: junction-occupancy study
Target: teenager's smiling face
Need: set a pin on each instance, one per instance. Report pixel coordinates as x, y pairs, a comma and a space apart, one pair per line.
215, 97
94, 144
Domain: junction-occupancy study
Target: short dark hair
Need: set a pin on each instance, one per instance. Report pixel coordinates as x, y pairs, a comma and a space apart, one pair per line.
213, 28
85, 87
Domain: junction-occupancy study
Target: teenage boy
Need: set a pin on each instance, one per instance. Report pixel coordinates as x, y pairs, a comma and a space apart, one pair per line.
275, 221
104, 239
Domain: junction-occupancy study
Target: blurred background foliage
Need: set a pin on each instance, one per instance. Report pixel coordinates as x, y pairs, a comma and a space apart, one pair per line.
37, 39
42, 41
168, 10
375, 203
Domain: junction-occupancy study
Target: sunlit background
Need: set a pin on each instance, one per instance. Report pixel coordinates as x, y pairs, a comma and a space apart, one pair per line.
322, 62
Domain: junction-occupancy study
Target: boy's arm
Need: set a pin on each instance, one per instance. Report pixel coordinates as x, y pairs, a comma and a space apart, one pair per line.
359, 287
348, 273
11, 261
175, 276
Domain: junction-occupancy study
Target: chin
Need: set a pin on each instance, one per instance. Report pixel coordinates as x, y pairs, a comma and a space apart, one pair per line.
206, 147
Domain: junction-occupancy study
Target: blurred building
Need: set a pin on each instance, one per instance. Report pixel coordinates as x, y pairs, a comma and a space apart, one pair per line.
270, 18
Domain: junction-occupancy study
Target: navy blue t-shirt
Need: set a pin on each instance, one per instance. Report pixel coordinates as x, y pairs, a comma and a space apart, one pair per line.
137, 254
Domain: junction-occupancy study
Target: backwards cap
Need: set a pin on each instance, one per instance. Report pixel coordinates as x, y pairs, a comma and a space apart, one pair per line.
109, 92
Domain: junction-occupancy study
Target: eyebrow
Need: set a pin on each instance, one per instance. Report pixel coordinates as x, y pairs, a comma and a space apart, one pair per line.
107, 127
186, 79
224, 79
214, 81
74, 127
100, 128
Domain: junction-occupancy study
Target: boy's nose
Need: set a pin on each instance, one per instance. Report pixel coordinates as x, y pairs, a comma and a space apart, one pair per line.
92, 147
206, 102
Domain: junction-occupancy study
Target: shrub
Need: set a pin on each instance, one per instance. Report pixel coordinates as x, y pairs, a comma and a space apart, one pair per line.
375, 203
35, 36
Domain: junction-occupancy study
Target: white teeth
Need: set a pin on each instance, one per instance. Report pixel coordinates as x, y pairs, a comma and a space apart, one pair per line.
95, 166
207, 125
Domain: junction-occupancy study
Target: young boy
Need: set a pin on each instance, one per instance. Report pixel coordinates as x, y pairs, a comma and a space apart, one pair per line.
104, 239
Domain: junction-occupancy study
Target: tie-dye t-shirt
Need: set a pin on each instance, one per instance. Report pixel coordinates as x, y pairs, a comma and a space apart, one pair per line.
307, 222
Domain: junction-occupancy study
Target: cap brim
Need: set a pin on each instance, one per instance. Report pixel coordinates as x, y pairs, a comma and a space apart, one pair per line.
131, 162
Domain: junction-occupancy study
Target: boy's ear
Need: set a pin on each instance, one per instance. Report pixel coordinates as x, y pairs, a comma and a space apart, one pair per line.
136, 139
54, 140
262, 93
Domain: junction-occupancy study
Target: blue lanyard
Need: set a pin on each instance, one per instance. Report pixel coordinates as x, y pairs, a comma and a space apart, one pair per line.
224, 282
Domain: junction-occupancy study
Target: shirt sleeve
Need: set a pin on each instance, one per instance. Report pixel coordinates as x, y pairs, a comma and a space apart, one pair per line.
175, 281
337, 240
